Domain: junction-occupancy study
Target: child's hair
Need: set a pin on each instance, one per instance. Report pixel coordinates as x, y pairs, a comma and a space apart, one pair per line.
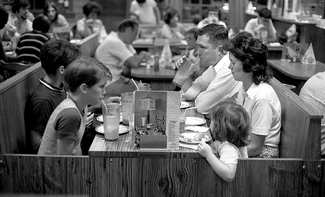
85, 70
230, 122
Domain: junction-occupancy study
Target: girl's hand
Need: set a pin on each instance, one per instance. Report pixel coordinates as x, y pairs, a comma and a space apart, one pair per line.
204, 149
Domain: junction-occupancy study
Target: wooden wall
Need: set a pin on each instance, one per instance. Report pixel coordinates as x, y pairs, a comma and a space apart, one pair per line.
90, 176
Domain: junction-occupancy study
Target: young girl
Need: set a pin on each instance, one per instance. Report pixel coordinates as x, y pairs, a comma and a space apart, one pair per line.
230, 126
85, 81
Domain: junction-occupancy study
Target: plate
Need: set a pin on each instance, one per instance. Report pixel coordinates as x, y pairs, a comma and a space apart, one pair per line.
100, 118
199, 129
193, 137
123, 129
194, 121
185, 104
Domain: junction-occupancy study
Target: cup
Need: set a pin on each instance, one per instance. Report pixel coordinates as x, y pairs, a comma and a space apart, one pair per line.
111, 116
126, 105
184, 71
144, 86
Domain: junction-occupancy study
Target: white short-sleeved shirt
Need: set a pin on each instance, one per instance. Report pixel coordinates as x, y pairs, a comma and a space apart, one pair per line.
214, 85
313, 92
113, 52
98, 26
263, 105
227, 152
145, 12
252, 24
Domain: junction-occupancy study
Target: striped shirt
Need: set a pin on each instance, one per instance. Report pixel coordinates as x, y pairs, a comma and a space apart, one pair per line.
29, 46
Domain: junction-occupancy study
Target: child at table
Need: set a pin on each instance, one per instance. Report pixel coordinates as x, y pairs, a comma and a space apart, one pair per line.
230, 126
85, 81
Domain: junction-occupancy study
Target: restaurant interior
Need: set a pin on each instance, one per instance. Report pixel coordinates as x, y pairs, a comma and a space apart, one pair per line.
150, 155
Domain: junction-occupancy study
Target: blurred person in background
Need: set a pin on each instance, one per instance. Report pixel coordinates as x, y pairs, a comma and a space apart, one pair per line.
3, 21
90, 23
118, 54
145, 11
262, 26
212, 18
172, 29
57, 20
30, 43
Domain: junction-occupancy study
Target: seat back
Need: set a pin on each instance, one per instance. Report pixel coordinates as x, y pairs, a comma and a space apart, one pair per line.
12, 68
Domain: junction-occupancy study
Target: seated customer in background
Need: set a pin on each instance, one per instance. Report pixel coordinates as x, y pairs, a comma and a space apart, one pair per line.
262, 26
230, 127
57, 20
55, 57
313, 92
216, 83
248, 58
85, 81
172, 29
30, 43
3, 22
212, 18
145, 11
117, 53
90, 23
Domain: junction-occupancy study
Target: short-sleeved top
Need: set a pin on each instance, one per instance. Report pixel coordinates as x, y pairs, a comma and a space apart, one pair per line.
253, 23
61, 21
214, 85
66, 122
263, 105
97, 26
227, 152
313, 92
145, 12
41, 103
113, 52
29, 46
173, 32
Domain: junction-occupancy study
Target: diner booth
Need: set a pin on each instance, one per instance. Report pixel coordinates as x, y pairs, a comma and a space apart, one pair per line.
117, 168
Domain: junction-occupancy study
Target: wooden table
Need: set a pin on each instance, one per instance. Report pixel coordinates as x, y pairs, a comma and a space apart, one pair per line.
294, 73
159, 80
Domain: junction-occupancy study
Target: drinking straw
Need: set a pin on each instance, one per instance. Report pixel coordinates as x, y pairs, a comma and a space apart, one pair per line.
136, 85
105, 106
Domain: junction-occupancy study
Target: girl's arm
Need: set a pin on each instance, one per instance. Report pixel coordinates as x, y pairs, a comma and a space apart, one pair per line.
65, 146
226, 171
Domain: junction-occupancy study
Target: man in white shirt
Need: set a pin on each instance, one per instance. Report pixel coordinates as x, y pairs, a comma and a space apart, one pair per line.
216, 83
117, 53
146, 11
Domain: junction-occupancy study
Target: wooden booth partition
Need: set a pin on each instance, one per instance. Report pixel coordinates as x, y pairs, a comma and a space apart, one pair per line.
13, 96
116, 176
88, 45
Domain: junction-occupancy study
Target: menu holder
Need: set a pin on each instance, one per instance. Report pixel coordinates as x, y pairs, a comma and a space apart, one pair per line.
293, 51
156, 120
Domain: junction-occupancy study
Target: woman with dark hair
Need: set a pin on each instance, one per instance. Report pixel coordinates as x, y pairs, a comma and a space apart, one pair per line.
248, 57
57, 20
90, 23
172, 29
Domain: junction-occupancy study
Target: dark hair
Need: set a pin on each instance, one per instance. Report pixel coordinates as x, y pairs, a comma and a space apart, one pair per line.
196, 18
55, 53
171, 13
42, 23
19, 4
86, 70
90, 7
193, 31
141, 1
218, 34
46, 8
126, 24
252, 52
4, 16
230, 122
264, 12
